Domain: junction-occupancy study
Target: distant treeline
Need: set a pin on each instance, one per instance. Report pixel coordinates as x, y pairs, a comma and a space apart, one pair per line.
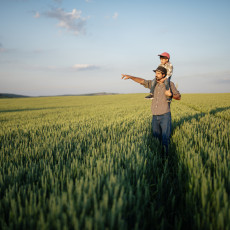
8, 95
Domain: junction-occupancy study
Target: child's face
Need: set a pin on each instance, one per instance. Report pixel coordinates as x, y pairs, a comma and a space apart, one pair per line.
164, 60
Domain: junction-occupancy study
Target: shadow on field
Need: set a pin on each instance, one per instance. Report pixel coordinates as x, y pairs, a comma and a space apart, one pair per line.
197, 116
172, 183
217, 110
166, 192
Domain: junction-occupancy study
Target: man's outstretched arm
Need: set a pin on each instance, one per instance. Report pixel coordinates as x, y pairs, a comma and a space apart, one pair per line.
136, 79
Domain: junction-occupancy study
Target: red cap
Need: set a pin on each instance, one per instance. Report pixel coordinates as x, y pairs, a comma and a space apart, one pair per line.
164, 55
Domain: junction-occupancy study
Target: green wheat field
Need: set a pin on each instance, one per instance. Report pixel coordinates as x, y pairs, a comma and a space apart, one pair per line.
91, 162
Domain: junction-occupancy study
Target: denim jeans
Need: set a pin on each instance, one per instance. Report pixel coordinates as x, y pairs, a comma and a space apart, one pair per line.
154, 83
161, 125
167, 83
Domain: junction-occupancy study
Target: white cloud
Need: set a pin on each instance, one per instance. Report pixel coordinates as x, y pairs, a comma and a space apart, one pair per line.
115, 15
72, 21
79, 67
37, 15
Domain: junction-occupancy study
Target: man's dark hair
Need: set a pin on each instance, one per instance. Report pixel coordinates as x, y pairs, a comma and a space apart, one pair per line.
161, 69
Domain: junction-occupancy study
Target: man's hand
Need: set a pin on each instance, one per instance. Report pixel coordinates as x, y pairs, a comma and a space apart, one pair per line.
125, 77
168, 93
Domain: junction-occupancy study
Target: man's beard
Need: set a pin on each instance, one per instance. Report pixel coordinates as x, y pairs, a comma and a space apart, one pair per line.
159, 78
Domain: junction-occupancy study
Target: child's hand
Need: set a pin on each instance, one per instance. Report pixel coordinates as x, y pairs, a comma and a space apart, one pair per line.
125, 77
168, 93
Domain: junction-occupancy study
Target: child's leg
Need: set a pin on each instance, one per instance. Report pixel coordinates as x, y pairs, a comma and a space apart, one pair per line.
153, 86
167, 86
167, 83
150, 96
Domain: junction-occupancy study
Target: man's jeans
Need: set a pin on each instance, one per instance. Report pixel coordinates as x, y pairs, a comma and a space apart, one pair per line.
161, 125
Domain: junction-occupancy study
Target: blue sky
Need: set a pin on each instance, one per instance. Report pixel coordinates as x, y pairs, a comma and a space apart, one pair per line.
56, 47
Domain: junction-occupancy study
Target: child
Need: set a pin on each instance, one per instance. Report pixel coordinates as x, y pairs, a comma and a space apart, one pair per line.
164, 57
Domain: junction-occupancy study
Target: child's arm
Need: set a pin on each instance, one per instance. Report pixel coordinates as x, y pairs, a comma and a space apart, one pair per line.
169, 70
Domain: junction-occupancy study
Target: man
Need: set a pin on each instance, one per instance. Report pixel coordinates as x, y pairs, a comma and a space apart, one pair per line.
161, 121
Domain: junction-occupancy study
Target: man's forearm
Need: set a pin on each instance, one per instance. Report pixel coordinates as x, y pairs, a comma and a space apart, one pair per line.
176, 96
137, 79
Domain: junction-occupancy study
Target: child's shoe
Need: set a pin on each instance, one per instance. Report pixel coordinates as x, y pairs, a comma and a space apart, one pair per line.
149, 97
169, 99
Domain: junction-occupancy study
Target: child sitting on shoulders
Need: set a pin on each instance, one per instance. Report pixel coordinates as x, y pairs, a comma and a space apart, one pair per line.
164, 57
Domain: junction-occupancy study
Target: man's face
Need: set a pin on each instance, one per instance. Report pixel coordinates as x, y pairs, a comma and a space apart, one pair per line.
159, 75
164, 60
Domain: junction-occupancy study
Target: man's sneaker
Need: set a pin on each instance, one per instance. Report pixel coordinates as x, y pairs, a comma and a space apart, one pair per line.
149, 97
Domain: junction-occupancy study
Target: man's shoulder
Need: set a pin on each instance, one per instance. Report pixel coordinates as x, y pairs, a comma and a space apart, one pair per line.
147, 83
174, 88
